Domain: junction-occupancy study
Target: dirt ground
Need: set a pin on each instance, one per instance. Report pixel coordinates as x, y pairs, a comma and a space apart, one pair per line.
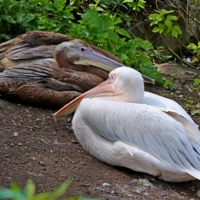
33, 145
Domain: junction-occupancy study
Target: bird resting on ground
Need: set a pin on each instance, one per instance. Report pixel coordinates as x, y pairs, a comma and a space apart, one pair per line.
114, 125
36, 69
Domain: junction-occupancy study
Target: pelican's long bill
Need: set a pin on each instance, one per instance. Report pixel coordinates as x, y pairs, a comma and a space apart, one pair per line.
104, 88
90, 57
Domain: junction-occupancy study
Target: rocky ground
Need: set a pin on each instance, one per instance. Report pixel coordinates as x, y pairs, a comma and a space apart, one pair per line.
33, 145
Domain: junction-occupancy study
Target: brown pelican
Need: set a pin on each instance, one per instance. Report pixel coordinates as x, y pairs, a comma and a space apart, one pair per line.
39, 68
114, 124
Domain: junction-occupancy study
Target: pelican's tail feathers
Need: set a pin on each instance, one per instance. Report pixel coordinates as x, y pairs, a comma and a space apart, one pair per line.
195, 173
190, 126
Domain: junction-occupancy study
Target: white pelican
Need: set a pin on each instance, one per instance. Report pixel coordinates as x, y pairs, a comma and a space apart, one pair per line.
141, 137
148, 98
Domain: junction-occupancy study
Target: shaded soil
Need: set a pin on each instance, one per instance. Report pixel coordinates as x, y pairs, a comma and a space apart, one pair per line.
33, 145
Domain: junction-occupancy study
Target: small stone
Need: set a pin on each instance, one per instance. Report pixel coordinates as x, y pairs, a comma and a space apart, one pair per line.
11, 144
192, 188
105, 184
15, 134
55, 141
190, 90
145, 193
33, 158
198, 193
42, 163
20, 144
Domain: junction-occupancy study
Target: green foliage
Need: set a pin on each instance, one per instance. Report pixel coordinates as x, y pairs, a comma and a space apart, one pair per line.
195, 48
25, 15
97, 25
164, 23
168, 84
197, 82
136, 5
192, 103
29, 192
103, 30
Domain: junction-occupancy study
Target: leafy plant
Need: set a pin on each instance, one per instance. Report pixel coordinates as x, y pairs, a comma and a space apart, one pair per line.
165, 23
103, 30
29, 192
168, 84
192, 103
23, 16
197, 82
97, 25
196, 50
136, 5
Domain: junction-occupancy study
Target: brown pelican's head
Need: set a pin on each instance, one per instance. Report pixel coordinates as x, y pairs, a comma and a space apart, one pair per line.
76, 53
79, 52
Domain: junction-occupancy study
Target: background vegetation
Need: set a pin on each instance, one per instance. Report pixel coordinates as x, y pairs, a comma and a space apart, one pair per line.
103, 23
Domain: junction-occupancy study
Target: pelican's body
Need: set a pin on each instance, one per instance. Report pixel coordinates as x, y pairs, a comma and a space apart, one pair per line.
39, 69
118, 128
163, 102
148, 97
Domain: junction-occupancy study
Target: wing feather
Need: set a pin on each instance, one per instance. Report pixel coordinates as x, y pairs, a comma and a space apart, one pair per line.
164, 134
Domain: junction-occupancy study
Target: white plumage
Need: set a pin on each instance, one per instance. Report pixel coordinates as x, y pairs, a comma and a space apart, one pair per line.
159, 141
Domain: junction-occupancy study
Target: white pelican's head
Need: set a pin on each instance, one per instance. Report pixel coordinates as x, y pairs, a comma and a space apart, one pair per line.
124, 84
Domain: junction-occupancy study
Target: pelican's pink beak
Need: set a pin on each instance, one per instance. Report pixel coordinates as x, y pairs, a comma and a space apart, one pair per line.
102, 88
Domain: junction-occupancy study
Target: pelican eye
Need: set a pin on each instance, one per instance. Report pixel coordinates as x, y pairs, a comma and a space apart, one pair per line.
82, 49
112, 78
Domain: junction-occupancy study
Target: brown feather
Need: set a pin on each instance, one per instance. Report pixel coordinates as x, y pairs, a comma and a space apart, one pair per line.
32, 75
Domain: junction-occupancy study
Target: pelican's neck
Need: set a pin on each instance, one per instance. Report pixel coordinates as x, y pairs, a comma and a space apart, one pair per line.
133, 94
130, 89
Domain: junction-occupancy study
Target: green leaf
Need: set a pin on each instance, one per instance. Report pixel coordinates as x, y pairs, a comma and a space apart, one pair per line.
29, 190
163, 12
192, 46
43, 196
122, 31
105, 23
59, 190
15, 187
91, 17
168, 23
171, 18
176, 31
11, 194
155, 17
113, 36
161, 27
59, 4
156, 29
117, 20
